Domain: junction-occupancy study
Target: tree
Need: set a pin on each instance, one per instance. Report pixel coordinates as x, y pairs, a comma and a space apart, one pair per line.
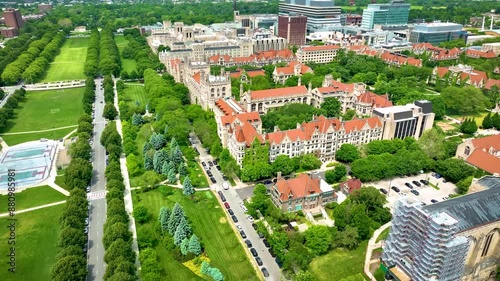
465, 101
187, 187
318, 239
468, 126
454, 170
70, 268
331, 107
283, 164
347, 153
157, 141
183, 231
172, 178
141, 214
194, 245
487, 121
431, 142
164, 217
304, 276
205, 266
335, 175
349, 114
184, 246
149, 180
70, 236
117, 249
116, 231
109, 111
464, 184
159, 159
348, 238
310, 162
216, 274
175, 218
137, 119
182, 170
78, 173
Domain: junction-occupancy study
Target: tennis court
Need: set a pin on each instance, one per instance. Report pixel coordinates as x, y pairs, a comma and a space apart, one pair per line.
31, 163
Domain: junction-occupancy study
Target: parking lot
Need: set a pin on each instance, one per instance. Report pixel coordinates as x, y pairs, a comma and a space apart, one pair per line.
426, 192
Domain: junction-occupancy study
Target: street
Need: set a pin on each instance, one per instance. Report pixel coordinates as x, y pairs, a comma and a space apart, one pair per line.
97, 213
233, 199
8, 92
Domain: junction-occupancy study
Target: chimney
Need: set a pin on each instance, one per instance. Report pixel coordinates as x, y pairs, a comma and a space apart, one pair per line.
278, 176
222, 71
299, 82
309, 87
241, 90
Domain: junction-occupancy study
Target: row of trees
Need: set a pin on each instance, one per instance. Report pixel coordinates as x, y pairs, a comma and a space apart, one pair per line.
163, 91
7, 111
71, 260
38, 67
109, 57
491, 121
167, 162
13, 71
117, 238
109, 111
91, 67
139, 50
13, 48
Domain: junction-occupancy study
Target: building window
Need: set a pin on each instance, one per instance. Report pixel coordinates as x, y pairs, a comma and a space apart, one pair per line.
467, 150
487, 243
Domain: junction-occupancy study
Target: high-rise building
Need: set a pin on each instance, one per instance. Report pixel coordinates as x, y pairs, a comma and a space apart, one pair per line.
13, 18
321, 14
394, 13
437, 32
293, 28
456, 239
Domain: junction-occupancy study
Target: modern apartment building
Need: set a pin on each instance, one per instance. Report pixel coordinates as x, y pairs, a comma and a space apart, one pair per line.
13, 18
321, 15
437, 32
456, 239
394, 13
293, 28
301, 193
403, 121
317, 54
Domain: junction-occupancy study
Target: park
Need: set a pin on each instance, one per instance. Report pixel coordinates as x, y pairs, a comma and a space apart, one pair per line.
68, 65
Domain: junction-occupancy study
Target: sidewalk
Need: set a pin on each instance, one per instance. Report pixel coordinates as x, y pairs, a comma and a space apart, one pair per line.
34, 208
372, 245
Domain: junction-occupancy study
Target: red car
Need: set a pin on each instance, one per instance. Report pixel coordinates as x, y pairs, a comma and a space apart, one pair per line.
227, 205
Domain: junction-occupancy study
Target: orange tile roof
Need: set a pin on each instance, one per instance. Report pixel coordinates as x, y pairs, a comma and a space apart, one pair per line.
298, 187
351, 185
414, 61
480, 54
488, 142
475, 77
216, 58
246, 133
492, 82
197, 77
250, 117
289, 91
337, 87
484, 161
224, 107
320, 48
441, 71
375, 100
290, 68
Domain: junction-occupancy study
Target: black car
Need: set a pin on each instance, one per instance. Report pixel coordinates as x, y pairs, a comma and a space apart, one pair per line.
265, 272
220, 193
279, 262
254, 226
230, 212
215, 162
415, 192
223, 198
209, 174
383, 191
249, 244
395, 188
204, 164
409, 185
434, 201
218, 167
235, 219
243, 235
424, 182
210, 163
266, 243
259, 261
212, 179
254, 252
416, 183
224, 177
260, 235
268, 182
272, 253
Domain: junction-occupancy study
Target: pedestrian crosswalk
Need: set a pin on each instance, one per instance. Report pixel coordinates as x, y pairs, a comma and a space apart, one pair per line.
96, 195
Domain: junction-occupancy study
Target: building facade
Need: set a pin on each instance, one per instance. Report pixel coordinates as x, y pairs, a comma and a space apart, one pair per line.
13, 18
437, 32
205, 89
456, 239
294, 68
409, 120
301, 193
394, 13
321, 14
293, 28
263, 100
317, 54
482, 153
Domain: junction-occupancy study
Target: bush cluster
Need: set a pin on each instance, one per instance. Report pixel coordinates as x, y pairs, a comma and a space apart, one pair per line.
7, 111
38, 67
139, 50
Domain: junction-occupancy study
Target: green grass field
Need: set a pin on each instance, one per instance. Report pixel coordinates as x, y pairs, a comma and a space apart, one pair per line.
478, 117
68, 65
33, 197
133, 93
36, 238
45, 110
127, 64
383, 235
210, 224
339, 263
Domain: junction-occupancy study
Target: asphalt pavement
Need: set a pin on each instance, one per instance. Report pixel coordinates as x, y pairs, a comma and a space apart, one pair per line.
97, 213
234, 200
8, 92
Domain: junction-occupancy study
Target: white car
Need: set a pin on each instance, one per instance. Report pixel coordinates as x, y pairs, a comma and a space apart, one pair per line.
225, 185
250, 218
239, 227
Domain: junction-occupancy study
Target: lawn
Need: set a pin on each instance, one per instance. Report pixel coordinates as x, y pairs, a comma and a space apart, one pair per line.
196, 174
56, 134
36, 238
209, 223
339, 263
68, 65
33, 197
478, 116
383, 235
127, 64
60, 182
133, 93
46, 110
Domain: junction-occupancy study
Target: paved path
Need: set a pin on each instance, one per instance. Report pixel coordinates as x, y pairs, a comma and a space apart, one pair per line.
34, 208
69, 134
373, 245
41, 131
129, 207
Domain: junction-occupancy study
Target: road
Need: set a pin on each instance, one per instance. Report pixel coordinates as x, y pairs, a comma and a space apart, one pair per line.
233, 199
9, 91
97, 214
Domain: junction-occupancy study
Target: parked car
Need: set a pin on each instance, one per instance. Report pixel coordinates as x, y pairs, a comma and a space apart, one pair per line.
210, 163
395, 188
415, 192
218, 167
234, 218
204, 164
265, 272
254, 226
409, 185
383, 191
416, 183
272, 253
254, 252
250, 218
230, 212
212, 179
425, 182
243, 235
88, 188
86, 221
225, 185
223, 198
268, 182
259, 261
266, 243
434, 201
220, 193
225, 178
260, 235
227, 205
249, 244
210, 174
86, 230
437, 176
215, 162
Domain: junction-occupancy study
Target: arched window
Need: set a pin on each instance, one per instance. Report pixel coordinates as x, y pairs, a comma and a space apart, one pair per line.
467, 150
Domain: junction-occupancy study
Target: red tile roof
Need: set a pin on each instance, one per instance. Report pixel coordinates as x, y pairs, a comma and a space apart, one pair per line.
492, 82
482, 156
197, 77
246, 133
298, 187
217, 58
441, 71
250, 117
289, 91
488, 142
224, 107
250, 73
475, 77
337, 87
480, 54
320, 48
400, 60
351, 185
290, 68
377, 101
